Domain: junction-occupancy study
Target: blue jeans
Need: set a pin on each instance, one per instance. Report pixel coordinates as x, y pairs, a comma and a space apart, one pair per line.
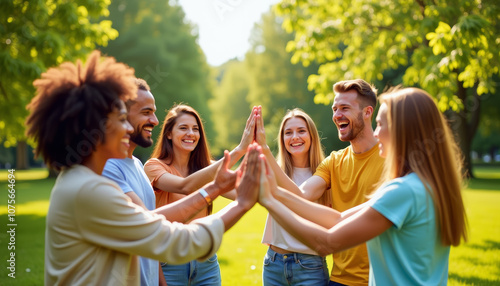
193, 273
294, 269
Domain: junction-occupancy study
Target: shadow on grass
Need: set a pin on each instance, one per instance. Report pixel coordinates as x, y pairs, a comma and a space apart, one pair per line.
486, 184
471, 280
485, 246
488, 245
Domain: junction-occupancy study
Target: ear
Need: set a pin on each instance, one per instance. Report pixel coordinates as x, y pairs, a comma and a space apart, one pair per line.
368, 112
169, 135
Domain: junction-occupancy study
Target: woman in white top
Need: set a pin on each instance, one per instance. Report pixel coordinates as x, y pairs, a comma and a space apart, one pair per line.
288, 261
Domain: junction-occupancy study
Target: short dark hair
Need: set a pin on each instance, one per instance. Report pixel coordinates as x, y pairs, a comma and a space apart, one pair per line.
141, 84
69, 112
367, 93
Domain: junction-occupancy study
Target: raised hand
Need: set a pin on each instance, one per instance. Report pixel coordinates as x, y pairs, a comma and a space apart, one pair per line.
267, 182
249, 132
260, 132
248, 187
225, 179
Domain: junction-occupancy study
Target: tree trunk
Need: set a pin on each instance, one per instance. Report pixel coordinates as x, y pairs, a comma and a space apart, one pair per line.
464, 124
22, 155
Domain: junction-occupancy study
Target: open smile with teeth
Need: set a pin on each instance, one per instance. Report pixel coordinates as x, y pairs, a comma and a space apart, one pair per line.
148, 129
189, 141
125, 140
343, 125
296, 144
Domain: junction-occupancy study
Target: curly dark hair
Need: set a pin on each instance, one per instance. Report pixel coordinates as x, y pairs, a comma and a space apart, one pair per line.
68, 115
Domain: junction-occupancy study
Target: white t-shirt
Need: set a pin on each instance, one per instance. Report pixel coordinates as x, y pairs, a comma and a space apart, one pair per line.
276, 235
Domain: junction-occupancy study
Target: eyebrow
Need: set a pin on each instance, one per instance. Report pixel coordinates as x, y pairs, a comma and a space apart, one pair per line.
340, 105
148, 109
300, 127
185, 124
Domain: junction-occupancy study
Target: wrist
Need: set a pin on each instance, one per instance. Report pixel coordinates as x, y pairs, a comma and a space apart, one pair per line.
244, 205
266, 150
205, 196
212, 190
238, 151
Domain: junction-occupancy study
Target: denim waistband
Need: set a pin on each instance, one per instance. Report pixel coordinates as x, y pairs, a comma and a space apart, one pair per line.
289, 256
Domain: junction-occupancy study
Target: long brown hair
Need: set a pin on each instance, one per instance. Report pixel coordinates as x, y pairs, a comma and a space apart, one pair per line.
422, 142
199, 158
316, 154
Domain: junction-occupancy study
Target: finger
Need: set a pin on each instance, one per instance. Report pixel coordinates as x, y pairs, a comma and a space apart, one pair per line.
250, 117
227, 159
269, 170
263, 165
251, 125
261, 122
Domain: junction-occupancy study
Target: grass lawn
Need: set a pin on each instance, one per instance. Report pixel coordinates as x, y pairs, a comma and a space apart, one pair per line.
476, 262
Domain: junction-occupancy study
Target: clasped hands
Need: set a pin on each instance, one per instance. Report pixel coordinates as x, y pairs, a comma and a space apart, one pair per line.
254, 179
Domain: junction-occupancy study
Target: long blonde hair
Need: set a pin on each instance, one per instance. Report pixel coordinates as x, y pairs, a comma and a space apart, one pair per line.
316, 154
422, 142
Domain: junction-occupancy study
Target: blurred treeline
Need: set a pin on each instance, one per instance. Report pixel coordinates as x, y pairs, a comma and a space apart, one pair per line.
155, 39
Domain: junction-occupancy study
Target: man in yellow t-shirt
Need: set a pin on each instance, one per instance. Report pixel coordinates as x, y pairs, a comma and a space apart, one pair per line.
350, 173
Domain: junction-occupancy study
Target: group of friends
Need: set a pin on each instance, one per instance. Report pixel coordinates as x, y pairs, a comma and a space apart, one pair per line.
388, 206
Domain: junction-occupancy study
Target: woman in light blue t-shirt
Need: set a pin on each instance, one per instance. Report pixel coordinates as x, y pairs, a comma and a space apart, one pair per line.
416, 214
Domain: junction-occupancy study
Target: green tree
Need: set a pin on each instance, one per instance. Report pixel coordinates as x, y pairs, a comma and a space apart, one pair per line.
487, 139
35, 35
448, 47
157, 41
230, 108
278, 85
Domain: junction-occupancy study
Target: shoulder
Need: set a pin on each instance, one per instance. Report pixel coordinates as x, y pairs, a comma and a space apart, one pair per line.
137, 161
340, 152
336, 155
84, 182
152, 162
402, 188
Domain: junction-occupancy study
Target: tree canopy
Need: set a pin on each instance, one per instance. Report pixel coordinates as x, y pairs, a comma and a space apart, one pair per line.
36, 35
450, 48
158, 42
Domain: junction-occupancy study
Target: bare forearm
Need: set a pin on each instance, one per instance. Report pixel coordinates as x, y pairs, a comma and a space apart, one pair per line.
319, 214
186, 208
236, 155
283, 180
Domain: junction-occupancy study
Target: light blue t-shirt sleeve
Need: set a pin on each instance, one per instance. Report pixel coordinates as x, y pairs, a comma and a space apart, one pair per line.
394, 201
113, 172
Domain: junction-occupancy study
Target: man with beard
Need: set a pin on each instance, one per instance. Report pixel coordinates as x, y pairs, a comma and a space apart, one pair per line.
351, 173
129, 172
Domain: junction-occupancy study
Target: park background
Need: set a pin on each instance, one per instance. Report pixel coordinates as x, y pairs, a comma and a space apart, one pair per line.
297, 51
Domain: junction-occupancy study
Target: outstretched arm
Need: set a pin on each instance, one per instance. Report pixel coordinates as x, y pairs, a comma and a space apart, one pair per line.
247, 189
312, 189
347, 231
260, 137
186, 208
187, 185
